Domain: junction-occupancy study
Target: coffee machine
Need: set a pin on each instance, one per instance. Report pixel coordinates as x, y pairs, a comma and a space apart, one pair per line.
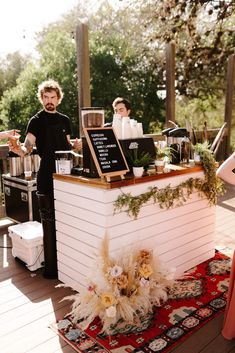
175, 137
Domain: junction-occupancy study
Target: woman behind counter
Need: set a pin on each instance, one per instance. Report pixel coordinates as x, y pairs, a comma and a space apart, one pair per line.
225, 171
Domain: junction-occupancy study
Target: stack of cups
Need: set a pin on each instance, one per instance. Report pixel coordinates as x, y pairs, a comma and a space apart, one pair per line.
117, 125
28, 167
134, 129
140, 130
126, 128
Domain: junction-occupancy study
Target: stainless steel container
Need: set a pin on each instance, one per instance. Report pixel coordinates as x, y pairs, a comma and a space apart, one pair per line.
35, 162
63, 162
15, 164
176, 135
27, 164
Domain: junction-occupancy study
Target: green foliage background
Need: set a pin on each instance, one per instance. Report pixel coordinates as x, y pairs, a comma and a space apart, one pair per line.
127, 58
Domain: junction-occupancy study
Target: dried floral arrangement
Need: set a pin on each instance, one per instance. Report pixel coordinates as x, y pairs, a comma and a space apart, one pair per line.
125, 289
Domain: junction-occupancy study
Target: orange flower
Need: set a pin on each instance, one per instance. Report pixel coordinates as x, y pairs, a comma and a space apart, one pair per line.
122, 281
145, 270
144, 256
107, 299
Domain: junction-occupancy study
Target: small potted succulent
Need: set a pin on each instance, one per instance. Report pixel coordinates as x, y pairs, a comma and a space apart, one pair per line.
139, 162
163, 155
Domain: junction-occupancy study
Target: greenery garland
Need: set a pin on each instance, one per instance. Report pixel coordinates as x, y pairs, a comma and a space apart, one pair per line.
211, 186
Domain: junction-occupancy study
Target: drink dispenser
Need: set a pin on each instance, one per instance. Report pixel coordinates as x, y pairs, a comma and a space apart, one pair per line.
15, 164
92, 117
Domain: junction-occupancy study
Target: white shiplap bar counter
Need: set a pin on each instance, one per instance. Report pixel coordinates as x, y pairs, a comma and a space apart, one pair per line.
182, 236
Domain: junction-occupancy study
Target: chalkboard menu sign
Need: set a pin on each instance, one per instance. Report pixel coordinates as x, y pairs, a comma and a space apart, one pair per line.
106, 152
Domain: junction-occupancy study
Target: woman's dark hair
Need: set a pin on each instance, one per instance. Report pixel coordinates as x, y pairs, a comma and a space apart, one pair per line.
121, 100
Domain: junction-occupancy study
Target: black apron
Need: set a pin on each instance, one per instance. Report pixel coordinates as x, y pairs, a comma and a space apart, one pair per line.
54, 139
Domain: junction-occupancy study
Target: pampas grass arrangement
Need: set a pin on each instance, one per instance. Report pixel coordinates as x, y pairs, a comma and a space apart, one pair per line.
125, 289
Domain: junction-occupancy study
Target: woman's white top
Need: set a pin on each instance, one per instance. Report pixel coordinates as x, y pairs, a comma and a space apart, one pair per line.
225, 171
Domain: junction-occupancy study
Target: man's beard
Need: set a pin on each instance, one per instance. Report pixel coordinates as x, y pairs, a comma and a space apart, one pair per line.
50, 107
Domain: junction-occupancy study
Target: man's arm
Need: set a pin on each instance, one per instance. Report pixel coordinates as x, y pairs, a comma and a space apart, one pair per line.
77, 145
26, 148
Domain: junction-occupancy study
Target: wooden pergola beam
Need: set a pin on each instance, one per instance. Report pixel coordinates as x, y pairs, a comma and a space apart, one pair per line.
83, 69
229, 101
170, 82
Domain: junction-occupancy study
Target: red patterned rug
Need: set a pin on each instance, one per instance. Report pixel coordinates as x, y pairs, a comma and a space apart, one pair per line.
199, 298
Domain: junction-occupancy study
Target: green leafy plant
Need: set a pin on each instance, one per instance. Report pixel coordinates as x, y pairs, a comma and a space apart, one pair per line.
161, 153
210, 186
201, 148
140, 159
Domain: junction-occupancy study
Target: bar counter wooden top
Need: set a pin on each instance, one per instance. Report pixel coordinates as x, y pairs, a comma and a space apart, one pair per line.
117, 182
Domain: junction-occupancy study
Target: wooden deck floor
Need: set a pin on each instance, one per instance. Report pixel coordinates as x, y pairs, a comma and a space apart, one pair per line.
29, 302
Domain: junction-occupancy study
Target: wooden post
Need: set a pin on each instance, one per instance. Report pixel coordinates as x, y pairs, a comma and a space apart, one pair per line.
170, 82
83, 69
229, 101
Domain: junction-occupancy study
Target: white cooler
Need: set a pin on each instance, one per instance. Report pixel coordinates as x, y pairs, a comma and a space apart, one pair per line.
27, 243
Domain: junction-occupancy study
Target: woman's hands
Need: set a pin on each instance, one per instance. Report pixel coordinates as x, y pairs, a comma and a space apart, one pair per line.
14, 134
14, 141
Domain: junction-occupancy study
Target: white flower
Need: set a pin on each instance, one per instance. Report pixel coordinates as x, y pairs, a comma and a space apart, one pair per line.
111, 311
144, 283
115, 271
91, 287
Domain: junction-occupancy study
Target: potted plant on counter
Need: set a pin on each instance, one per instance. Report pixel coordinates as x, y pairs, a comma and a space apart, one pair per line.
163, 155
139, 161
199, 149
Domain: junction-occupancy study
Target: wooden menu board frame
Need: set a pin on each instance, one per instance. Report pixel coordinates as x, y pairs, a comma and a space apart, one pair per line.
106, 152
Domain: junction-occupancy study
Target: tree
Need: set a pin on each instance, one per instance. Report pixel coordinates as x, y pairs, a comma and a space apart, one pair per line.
114, 75
10, 68
117, 69
54, 63
127, 55
203, 31
19, 103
